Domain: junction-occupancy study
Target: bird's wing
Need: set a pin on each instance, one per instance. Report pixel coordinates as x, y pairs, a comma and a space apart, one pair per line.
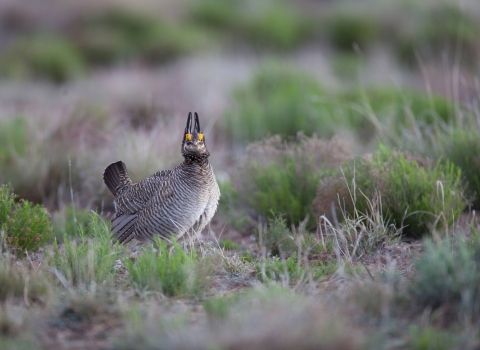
140, 194
135, 200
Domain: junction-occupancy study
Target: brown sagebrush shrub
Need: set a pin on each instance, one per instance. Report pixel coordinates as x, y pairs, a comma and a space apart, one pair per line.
278, 176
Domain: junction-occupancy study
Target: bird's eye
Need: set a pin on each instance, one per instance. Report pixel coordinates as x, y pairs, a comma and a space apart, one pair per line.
188, 137
200, 137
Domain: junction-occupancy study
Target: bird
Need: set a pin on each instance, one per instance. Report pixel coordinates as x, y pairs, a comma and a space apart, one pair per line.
169, 203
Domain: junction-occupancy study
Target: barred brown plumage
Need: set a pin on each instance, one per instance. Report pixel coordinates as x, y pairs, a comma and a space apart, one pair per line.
170, 202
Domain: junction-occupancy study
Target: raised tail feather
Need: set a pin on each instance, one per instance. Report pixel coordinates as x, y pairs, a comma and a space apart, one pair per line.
116, 176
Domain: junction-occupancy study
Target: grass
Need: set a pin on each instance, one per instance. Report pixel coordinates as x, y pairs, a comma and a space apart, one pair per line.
293, 270
228, 244
391, 113
293, 323
170, 272
431, 338
18, 284
89, 261
461, 146
13, 135
417, 197
283, 100
360, 233
280, 100
24, 226
277, 238
72, 222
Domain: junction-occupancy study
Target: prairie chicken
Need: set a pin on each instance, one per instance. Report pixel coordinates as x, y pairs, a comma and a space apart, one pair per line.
170, 202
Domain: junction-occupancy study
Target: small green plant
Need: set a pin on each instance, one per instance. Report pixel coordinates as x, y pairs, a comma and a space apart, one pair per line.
25, 226
292, 270
171, 272
89, 261
416, 196
44, 56
430, 338
277, 238
219, 308
228, 244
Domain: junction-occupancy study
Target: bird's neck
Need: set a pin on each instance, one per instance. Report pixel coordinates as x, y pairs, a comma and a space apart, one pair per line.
195, 159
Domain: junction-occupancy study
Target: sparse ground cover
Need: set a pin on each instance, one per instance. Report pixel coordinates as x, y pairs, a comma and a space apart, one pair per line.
345, 220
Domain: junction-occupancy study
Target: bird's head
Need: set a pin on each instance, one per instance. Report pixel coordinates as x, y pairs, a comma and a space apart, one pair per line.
193, 144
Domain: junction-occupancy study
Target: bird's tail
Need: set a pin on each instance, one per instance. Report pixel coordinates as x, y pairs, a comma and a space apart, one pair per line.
116, 177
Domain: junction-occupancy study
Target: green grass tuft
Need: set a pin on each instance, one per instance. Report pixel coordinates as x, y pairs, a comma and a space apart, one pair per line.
390, 113
292, 271
416, 196
72, 222
88, 261
430, 338
172, 273
228, 244
277, 238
